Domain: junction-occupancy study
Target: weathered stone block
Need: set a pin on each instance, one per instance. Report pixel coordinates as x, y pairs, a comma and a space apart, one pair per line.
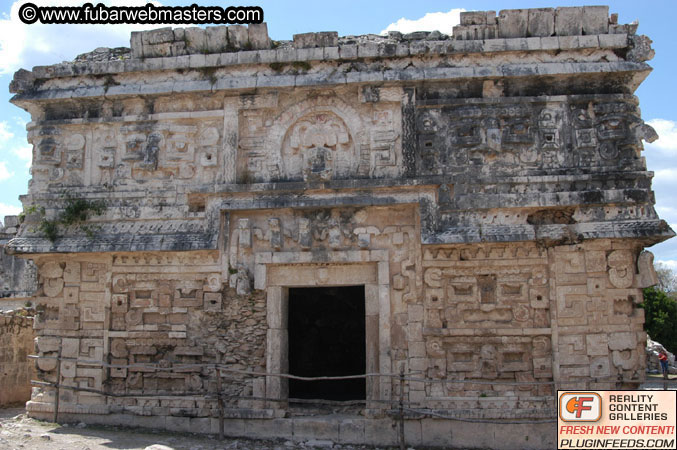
613, 40
11, 221
476, 17
257, 34
380, 432
541, 22
436, 432
647, 274
623, 341
238, 37
513, 23
315, 428
195, 39
216, 39
47, 344
351, 431
321, 39
71, 294
597, 344
212, 301
136, 44
158, 36
595, 19
569, 21
70, 347
600, 367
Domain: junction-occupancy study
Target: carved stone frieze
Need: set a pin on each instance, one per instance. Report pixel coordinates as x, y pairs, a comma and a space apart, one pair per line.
513, 137
320, 139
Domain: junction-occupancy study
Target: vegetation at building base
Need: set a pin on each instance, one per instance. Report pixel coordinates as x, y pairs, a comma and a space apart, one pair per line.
660, 306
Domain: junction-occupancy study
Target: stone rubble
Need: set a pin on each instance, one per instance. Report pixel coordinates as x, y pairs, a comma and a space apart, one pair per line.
652, 350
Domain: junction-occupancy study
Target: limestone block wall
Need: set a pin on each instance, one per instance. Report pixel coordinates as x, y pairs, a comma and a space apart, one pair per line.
16, 370
147, 313
524, 313
487, 317
195, 40
538, 22
599, 328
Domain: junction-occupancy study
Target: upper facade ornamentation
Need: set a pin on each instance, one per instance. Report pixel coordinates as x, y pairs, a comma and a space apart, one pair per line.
530, 112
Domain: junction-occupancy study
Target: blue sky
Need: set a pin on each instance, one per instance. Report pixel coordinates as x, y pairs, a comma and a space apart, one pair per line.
25, 46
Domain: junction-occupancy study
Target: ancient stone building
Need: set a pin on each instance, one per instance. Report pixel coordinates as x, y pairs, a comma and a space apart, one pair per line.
470, 209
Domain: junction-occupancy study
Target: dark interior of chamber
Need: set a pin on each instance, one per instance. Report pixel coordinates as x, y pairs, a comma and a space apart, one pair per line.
327, 338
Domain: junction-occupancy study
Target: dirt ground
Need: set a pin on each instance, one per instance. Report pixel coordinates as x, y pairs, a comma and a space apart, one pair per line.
17, 431
656, 382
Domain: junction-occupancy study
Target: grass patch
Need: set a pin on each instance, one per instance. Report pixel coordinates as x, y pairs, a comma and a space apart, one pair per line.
76, 212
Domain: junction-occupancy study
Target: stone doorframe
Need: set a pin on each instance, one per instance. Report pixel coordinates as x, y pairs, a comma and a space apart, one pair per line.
279, 271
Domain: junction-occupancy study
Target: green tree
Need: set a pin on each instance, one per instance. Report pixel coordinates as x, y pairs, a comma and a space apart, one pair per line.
661, 317
667, 279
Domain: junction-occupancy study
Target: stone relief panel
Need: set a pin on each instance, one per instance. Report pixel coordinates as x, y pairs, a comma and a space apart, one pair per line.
603, 132
510, 139
58, 155
160, 309
325, 229
597, 287
71, 304
319, 138
170, 309
470, 295
318, 147
181, 149
460, 295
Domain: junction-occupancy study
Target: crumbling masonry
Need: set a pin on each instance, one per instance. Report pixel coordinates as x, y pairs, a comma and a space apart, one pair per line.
485, 189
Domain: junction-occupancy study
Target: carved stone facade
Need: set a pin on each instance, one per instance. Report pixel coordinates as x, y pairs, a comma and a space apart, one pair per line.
487, 189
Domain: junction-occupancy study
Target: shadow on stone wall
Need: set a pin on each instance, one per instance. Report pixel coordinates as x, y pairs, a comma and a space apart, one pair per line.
16, 370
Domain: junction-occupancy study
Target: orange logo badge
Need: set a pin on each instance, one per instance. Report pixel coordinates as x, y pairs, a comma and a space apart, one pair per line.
580, 407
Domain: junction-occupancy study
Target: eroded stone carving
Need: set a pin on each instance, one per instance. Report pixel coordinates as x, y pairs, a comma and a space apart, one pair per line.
319, 148
621, 268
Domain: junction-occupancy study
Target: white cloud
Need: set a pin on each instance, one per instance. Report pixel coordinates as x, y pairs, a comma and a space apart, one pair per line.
21, 122
9, 210
665, 210
26, 46
24, 153
4, 172
5, 134
670, 263
665, 175
440, 21
667, 134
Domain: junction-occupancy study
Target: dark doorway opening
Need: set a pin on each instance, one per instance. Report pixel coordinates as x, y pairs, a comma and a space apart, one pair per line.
327, 338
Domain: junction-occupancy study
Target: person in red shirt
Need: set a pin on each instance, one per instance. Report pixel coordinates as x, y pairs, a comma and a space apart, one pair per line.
663, 359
